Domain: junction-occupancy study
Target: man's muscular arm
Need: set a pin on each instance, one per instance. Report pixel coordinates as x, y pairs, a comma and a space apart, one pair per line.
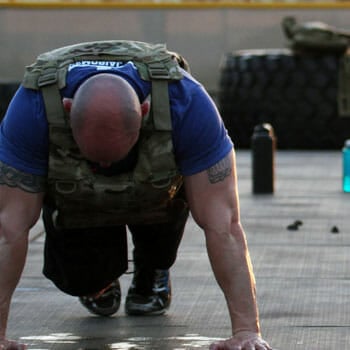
213, 199
21, 197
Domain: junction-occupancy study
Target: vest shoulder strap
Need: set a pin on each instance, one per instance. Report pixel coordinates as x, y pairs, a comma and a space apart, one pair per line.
153, 61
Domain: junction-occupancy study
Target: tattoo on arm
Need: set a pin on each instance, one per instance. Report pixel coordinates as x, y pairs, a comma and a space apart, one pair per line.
15, 178
220, 170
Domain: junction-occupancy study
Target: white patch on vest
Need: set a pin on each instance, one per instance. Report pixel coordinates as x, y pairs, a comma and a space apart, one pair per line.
100, 65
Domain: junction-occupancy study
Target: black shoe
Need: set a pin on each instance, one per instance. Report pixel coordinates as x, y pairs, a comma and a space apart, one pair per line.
104, 303
154, 301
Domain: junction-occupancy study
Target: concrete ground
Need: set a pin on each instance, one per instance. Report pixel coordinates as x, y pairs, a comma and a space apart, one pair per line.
303, 276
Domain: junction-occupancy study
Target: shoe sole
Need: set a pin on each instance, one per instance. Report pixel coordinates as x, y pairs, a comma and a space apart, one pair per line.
145, 313
100, 312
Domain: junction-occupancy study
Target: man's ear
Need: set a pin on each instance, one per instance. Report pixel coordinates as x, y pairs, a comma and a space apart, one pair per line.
67, 104
145, 106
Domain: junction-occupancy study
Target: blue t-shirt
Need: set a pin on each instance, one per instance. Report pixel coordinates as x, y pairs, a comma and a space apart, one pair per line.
199, 136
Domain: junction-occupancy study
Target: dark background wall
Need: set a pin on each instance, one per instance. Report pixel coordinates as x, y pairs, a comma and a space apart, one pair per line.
202, 35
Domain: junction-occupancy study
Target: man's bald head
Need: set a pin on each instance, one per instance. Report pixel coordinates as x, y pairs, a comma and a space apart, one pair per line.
105, 118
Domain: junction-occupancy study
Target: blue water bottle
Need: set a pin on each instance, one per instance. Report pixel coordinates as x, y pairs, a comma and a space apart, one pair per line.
346, 166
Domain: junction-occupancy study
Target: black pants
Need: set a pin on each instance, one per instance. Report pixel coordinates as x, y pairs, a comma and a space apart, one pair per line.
83, 261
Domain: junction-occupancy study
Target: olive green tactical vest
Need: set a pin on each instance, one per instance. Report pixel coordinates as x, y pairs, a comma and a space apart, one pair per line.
86, 199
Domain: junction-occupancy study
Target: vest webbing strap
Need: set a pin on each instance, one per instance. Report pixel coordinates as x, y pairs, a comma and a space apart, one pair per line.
53, 104
160, 95
160, 105
47, 82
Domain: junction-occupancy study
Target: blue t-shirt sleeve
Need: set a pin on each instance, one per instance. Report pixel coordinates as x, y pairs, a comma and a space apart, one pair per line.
24, 133
199, 135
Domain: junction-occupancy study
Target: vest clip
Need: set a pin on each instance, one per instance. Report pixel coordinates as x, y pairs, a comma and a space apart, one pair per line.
48, 77
157, 70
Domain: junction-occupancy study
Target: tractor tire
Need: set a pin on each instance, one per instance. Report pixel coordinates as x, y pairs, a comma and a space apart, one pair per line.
7, 90
294, 92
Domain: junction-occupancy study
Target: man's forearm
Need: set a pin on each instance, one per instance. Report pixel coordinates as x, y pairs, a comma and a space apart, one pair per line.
231, 264
12, 259
241, 300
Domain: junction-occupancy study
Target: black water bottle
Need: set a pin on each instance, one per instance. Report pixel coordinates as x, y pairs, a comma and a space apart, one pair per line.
263, 146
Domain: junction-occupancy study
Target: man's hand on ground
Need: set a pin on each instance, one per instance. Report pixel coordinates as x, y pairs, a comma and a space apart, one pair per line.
242, 341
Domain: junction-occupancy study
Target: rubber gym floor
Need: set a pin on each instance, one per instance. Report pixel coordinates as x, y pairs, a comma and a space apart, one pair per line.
302, 275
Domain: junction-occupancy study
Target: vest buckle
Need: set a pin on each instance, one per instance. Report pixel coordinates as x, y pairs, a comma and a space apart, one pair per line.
157, 70
48, 77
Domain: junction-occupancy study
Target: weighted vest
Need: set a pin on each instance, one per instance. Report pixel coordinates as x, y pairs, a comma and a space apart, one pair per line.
86, 199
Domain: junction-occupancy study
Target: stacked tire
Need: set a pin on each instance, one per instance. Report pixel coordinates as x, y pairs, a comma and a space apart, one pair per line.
295, 92
7, 90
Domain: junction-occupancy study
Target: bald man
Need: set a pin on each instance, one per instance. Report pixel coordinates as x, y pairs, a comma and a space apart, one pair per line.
107, 110
105, 118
